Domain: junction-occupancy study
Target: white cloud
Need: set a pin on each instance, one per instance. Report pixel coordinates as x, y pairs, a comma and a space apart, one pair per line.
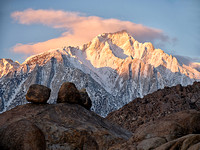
79, 29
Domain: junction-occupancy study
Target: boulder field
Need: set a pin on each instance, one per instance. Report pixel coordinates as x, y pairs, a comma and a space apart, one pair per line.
168, 119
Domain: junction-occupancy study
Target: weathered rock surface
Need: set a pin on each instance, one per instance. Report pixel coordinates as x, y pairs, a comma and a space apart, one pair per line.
21, 135
157, 105
68, 93
85, 99
170, 127
67, 126
188, 142
166, 119
176, 131
38, 93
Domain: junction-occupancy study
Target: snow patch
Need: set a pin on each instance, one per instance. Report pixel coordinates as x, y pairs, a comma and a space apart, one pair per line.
8, 103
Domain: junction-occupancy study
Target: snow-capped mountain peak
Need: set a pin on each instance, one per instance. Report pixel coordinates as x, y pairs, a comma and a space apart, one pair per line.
7, 65
113, 67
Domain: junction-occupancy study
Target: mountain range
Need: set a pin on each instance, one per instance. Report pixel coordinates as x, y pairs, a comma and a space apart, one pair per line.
114, 68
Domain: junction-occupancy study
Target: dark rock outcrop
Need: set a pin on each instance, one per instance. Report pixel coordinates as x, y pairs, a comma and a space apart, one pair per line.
166, 119
171, 127
68, 93
176, 131
38, 93
21, 135
67, 126
85, 99
188, 142
157, 105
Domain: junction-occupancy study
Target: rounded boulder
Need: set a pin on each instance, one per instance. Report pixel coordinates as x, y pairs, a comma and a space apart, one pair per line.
68, 93
22, 135
38, 93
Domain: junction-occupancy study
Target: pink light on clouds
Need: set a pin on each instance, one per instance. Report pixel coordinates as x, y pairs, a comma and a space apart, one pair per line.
80, 29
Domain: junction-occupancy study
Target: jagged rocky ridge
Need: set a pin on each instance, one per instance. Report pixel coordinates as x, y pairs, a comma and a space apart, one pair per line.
7, 65
114, 68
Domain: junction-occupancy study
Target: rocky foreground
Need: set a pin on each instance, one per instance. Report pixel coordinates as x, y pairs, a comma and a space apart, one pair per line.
168, 119
178, 131
157, 105
63, 126
69, 124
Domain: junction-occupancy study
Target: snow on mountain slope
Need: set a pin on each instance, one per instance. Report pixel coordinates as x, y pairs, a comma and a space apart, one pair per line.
7, 65
114, 68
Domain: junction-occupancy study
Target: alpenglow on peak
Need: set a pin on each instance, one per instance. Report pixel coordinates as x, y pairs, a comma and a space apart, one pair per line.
114, 68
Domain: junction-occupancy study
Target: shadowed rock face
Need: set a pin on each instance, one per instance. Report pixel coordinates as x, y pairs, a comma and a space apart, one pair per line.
166, 119
67, 126
85, 99
176, 131
38, 93
21, 135
188, 142
68, 93
157, 105
171, 127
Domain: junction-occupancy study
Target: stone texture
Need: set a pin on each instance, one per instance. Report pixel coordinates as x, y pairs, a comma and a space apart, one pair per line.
157, 105
178, 129
38, 93
194, 147
188, 142
68, 127
68, 93
85, 99
170, 127
21, 135
161, 119
151, 143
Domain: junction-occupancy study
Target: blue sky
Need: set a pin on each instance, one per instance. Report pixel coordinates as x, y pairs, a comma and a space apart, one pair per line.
173, 25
